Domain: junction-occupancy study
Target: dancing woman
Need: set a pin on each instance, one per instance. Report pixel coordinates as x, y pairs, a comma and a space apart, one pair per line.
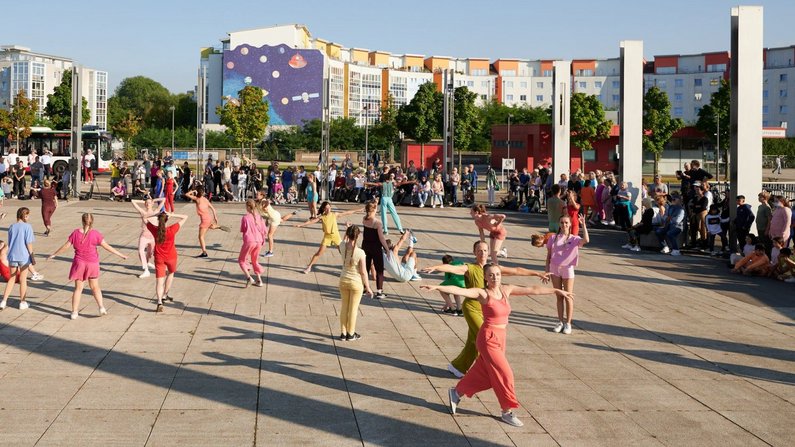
493, 224
208, 218
353, 282
563, 251
85, 265
273, 218
49, 203
20, 257
146, 241
491, 369
253, 227
372, 241
311, 195
331, 233
387, 190
170, 191
165, 253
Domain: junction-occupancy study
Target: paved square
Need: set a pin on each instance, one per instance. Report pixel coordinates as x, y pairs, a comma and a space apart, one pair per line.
664, 351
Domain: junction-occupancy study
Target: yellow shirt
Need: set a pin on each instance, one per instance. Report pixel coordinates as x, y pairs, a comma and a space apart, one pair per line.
350, 264
331, 234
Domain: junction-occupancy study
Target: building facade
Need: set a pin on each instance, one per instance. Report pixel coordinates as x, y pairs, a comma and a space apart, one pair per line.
38, 74
294, 68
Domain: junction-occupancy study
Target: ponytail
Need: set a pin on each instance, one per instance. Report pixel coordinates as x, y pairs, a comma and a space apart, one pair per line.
162, 218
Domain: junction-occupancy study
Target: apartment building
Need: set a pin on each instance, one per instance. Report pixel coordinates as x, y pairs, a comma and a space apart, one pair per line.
38, 74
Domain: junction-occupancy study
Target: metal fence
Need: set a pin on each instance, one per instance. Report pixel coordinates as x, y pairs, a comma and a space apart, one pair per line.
786, 189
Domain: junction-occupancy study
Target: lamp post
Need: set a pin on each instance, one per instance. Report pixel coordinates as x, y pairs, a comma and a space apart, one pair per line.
172, 108
366, 110
509, 136
717, 149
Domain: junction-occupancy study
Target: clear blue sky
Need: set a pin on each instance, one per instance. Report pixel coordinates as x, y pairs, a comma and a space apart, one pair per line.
161, 39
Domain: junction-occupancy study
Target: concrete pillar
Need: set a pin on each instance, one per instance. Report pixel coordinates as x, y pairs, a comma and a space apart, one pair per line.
630, 148
745, 160
561, 120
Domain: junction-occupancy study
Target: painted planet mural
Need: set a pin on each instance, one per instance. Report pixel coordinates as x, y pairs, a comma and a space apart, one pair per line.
292, 78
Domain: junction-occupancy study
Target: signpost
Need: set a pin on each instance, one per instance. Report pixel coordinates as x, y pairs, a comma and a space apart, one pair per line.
508, 165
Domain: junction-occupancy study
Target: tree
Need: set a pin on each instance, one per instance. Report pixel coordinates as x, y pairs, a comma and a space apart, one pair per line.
718, 109
185, 113
657, 123
6, 128
588, 123
468, 121
59, 104
143, 97
384, 135
345, 135
23, 115
495, 113
127, 127
246, 117
421, 119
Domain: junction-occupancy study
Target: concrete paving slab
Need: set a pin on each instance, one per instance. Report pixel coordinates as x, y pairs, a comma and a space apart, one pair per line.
100, 427
203, 428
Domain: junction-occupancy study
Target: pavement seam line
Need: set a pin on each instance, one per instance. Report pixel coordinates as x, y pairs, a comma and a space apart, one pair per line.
345, 381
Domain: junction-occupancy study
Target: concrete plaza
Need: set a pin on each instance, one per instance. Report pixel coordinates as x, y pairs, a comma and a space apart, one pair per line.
665, 351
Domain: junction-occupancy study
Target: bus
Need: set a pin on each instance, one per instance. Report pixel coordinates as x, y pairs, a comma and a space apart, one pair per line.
59, 142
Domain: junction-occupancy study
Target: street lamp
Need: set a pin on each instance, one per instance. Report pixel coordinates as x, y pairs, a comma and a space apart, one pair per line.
509, 136
366, 110
172, 108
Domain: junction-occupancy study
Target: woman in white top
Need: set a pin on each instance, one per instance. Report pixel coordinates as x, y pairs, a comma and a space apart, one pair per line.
353, 282
273, 217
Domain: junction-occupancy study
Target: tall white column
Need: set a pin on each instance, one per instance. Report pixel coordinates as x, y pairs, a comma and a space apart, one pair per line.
631, 116
561, 121
745, 161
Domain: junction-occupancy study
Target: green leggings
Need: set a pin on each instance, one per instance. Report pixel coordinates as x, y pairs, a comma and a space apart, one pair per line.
473, 314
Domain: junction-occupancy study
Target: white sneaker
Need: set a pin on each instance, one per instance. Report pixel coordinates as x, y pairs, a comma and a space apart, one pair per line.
151, 265
422, 205
503, 253
790, 279
566, 328
675, 253
603, 222
454, 399
442, 205
416, 277
145, 274
665, 250
511, 419
36, 277
612, 222
74, 316
558, 327
23, 305
103, 311
635, 248
627, 246
3, 305
454, 371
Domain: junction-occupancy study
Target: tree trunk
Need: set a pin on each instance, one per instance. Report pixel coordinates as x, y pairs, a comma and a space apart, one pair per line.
422, 154
656, 164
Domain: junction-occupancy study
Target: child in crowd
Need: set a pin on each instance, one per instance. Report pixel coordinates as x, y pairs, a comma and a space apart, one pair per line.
754, 264
748, 248
778, 244
714, 228
451, 279
292, 195
784, 269
278, 192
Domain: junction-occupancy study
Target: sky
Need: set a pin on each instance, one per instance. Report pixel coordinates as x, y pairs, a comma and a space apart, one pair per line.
162, 39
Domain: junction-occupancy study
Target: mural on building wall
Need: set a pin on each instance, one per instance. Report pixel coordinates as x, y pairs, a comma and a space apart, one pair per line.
291, 80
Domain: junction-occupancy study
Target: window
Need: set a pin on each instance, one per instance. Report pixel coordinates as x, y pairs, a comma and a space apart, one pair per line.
764, 123
583, 84
678, 83
509, 84
507, 72
483, 97
696, 111
616, 84
597, 84
661, 83
678, 111
665, 70
697, 82
782, 93
678, 97
523, 84
585, 72
539, 85
765, 109
616, 98
470, 83
478, 72
547, 73
783, 110
765, 94
484, 83
509, 97
522, 97
712, 68
782, 77
540, 98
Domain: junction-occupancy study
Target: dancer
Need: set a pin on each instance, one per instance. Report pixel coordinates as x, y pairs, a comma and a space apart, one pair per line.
491, 369
372, 241
49, 203
493, 224
387, 190
254, 230
563, 251
85, 265
146, 241
331, 233
165, 253
353, 282
273, 218
473, 279
451, 279
208, 218
406, 269
311, 195
20, 257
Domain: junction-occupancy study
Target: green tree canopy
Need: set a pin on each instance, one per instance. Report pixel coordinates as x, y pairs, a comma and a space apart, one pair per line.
144, 98
718, 109
588, 122
23, 114
657, 123
385, 135
421, 119
468, 122
59, 104
127, 127
245, 117
495, 113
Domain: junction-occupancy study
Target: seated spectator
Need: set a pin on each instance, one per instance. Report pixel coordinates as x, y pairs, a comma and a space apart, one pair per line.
509, 202
668, 234
278, 191
423, 191
226, 194
754, 264
784, 268
645, 226
140, 191
292, 195
119, 192
748, 248
35, 187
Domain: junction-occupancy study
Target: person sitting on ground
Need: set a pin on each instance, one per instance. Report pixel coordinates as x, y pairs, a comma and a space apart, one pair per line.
748, 248
643, 227
784, 269
754, 264
509, 202
35, 187
140, 191
119, 192
404, 268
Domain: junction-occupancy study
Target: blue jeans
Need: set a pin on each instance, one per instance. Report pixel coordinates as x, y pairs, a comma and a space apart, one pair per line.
669, 237
423, 196
388, 206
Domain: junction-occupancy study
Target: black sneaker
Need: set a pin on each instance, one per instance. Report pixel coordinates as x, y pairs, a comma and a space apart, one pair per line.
343, 337
203, 255
449, 311
379, 295
353, 337
459, 312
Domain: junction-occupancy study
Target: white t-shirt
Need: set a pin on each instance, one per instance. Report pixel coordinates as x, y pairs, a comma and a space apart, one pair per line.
46, 159
11, 159
359, 181
88, 160
401, 272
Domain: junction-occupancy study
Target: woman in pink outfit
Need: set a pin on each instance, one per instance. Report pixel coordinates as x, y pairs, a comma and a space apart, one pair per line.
779, 225
563, 254
85, 265
254, 233
491, 369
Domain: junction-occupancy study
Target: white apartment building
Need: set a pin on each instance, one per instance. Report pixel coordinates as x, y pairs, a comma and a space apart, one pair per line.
38, 75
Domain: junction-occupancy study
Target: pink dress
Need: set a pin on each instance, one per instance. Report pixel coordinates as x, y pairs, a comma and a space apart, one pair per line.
254, 230
85, 264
